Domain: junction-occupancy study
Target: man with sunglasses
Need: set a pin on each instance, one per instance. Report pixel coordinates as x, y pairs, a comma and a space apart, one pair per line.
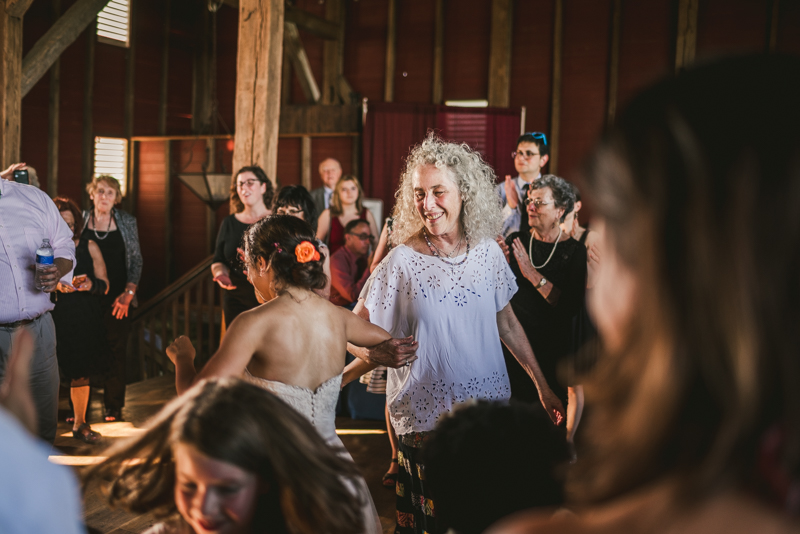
349, 264
530, 158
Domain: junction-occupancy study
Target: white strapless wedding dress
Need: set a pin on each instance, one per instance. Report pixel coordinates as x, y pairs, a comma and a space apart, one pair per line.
319, 407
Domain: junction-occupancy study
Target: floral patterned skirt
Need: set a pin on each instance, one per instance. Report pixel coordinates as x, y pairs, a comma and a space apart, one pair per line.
415, 510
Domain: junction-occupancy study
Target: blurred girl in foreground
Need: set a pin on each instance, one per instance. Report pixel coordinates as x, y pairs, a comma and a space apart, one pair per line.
695, 408
230, 457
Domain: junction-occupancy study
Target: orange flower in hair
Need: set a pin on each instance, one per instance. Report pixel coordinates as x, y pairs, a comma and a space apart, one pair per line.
306, 252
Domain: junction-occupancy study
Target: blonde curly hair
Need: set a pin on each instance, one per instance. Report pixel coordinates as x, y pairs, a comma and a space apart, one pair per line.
480, 209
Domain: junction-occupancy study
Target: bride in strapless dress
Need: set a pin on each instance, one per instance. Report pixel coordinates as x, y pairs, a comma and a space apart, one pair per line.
294, 345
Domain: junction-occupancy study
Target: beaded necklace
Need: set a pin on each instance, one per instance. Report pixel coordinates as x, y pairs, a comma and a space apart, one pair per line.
435, 251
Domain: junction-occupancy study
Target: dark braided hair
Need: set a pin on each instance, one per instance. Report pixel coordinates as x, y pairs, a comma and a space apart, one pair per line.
275, 239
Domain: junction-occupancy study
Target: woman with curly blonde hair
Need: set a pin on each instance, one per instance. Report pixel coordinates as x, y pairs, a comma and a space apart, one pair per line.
448, 284
229, 456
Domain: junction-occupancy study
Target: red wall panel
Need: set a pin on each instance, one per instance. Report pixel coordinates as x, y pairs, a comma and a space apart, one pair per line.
365, 48
726, 26
289, 171
532, 62
313, 46
789, 28
466, 49
189, 213
150, 208
413, 76
584, 83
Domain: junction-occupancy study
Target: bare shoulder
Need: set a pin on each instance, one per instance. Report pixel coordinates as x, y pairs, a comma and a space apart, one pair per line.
417, 244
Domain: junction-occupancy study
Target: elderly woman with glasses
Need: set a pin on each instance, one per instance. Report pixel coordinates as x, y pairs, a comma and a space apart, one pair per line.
550, 269
251, 199
448, 285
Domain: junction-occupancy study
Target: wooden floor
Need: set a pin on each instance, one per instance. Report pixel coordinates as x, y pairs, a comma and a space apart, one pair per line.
370, 451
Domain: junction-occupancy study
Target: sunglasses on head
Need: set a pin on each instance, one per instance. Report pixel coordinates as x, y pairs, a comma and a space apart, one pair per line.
538, 135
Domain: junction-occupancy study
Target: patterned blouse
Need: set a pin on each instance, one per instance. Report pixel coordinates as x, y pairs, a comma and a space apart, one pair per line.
452, 312
130, 235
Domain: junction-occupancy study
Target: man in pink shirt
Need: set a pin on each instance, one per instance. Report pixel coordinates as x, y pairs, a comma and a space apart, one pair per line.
27, 215
349, 265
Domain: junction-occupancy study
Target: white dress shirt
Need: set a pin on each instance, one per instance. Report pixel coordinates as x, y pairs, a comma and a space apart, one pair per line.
27, 215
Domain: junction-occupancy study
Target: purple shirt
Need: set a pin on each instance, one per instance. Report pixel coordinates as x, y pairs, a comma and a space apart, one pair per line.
27, 215
346, 279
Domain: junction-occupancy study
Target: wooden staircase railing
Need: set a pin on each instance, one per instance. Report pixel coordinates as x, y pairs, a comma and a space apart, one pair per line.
191, 306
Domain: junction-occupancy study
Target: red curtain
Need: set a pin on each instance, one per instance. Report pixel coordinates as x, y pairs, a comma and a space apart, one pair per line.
391, 130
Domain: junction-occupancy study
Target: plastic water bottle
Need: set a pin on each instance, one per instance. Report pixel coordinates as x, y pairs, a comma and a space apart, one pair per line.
44, 259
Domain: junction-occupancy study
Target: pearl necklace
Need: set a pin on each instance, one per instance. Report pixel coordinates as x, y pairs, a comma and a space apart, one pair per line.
108, 230
435, 250
530, 250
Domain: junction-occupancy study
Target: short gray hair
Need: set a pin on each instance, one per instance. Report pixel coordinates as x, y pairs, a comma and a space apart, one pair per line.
563, 192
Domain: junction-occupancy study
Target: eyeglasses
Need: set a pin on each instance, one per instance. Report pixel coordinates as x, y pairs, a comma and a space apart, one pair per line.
247, 183
537, 202
526, 154
538, 135
363, 237
294, 212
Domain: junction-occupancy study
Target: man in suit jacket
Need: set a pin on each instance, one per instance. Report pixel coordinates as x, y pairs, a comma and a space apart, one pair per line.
330, 171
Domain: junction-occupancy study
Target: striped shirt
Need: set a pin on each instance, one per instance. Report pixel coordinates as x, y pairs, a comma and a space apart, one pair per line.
27, 215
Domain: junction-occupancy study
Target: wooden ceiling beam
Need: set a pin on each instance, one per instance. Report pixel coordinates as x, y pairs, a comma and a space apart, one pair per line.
17, 8
62, 34
297, 55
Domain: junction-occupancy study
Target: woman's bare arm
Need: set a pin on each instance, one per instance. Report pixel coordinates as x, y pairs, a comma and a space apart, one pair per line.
99, 264
355, 369
324, 225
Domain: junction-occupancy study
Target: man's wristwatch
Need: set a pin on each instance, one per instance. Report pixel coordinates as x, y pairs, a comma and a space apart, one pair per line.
129, 292
541, 283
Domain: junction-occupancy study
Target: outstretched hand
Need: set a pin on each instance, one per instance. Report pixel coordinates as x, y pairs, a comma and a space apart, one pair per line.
181, 351
552, 405
512, 198
503, 247
394, 352
224, 281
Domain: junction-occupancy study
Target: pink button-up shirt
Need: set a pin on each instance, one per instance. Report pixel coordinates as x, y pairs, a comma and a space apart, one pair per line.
27, 215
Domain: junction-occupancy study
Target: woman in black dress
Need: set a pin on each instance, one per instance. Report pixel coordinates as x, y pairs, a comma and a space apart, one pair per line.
80, 335
550, 267
251, 200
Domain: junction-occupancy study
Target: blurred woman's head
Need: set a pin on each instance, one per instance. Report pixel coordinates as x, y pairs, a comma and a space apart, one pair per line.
251, 187
295, 200
229, 456
71, 214
282, 251
104, 192
479, 211
347, 192
696, 188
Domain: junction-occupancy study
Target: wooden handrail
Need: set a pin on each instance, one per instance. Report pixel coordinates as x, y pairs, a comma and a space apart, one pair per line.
173, 289
190, 306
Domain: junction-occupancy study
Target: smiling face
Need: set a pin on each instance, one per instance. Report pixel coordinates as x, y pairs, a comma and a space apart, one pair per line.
104, 196
330, 171
438, 200
250, 190
213, 496
546, 216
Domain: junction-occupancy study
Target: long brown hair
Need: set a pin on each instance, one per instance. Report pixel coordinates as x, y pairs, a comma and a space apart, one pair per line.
66, 204
236, 202
239, 423
698, 184
336, 200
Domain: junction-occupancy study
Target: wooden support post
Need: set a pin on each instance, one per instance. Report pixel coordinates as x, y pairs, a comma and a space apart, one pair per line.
17, 8
258, 91
164, 89
10, 96
391, 52
168, 255
297, 55
613, 61
772, 25
62, 34
686, 41
88, 100
555, 105
333, 57
54, 113
500, 53
305, 161
438, 53
201, 74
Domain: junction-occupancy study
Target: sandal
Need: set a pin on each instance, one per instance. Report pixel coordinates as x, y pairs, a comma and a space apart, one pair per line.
389, 480
86, 434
